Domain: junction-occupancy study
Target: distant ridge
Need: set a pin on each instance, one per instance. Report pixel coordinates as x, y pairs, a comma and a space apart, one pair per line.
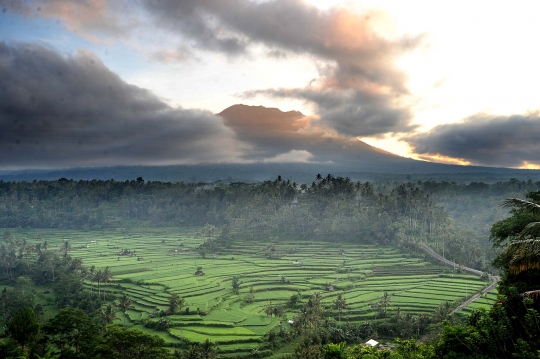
300, 172
271, 132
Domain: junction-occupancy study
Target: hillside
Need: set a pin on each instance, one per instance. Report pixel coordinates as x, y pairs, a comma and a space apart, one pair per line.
274, 137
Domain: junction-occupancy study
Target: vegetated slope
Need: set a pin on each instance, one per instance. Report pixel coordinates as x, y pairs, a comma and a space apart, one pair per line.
271, 272
330, 208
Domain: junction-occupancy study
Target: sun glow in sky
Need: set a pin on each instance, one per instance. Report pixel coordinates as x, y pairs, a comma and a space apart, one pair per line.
452, 82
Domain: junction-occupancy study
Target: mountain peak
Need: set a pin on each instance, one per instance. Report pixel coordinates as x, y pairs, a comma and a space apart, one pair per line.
259, 111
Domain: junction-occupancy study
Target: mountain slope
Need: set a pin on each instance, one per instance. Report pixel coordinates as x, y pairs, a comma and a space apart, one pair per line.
293, 146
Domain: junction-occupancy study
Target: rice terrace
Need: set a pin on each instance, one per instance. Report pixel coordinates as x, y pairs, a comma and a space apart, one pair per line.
239, 294
281, 179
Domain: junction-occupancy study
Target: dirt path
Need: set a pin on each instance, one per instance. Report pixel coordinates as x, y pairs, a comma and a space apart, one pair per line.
494, 279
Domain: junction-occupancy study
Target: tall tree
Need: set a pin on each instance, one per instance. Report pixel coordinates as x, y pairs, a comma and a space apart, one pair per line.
176, 302
120, 343
23, 326
340, 303
73, 332
107, 314
125, 302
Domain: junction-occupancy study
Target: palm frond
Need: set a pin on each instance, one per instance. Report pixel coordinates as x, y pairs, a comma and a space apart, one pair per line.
532, 229
532, 294
525, 255
531, 207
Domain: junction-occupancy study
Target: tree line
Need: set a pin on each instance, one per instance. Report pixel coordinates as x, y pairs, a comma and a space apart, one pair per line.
453, 218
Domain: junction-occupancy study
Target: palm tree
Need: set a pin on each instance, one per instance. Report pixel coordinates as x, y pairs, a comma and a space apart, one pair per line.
89, 274
97, 277
533, 228
191, 353
108, 314
106, 277
208, 350
125, 302
66, 247
76, 265
340, 303
385, 302
524, 250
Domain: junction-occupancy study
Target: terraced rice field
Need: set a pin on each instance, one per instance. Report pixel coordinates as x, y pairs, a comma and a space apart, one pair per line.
165, 260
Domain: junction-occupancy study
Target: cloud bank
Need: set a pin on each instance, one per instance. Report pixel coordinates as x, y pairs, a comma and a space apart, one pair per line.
360, 92
487, 140
60, 111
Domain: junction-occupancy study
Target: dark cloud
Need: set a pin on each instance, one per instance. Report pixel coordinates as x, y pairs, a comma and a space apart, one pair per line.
505, 141
348, 111
359, 72
65, 111
269, 131
294, 25
360, 90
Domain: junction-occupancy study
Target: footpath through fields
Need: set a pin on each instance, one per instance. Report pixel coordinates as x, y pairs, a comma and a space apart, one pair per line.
494, 279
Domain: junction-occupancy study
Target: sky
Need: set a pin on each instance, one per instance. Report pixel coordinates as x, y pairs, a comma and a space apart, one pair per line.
125, 82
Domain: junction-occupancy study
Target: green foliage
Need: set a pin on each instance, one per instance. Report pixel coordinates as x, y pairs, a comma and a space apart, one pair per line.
411, 349
236, 284
10, 350
176, 302
512, 327
73, 332
23, 326
122, 343
331, 208
334, 351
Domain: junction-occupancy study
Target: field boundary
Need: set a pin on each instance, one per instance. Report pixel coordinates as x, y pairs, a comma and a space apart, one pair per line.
493, 279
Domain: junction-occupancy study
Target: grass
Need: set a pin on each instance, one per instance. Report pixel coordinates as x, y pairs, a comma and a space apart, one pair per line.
165, 261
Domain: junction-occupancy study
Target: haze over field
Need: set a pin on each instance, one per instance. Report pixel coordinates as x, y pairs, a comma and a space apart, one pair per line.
103, 83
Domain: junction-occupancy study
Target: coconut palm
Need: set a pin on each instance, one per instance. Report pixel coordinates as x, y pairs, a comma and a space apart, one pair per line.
385, 302
125, 302
340, 303
533, 228
76, 265
208, 350
524, 254
193, 352
106, 277
108, 314
524, 250
98, 277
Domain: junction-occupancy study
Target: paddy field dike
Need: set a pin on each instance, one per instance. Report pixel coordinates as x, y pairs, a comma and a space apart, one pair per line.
151, 264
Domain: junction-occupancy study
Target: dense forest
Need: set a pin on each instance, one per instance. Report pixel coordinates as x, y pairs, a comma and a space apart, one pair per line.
461, 221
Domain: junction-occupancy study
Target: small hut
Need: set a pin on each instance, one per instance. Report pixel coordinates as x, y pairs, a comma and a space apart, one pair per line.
372, 343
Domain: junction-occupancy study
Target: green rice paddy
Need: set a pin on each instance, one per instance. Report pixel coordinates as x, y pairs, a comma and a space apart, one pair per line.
164, 261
